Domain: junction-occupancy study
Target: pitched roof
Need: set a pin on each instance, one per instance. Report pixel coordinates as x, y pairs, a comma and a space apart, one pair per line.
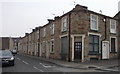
117, 15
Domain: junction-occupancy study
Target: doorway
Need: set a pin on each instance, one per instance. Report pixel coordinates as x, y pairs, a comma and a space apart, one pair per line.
77, 51
105, 50
64, 48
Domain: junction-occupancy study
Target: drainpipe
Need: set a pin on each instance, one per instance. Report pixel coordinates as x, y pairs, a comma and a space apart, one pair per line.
105, 28
105, 25
38, 49
69, 34
38, 43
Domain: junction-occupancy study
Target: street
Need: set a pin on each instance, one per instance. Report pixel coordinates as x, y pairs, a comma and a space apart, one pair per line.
28, 64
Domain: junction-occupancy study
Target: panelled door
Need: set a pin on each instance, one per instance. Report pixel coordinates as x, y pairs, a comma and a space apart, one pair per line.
77, 51
105, 50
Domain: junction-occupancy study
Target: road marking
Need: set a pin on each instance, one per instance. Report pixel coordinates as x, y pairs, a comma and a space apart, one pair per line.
25, 62
38, 69
46, 66
18, 58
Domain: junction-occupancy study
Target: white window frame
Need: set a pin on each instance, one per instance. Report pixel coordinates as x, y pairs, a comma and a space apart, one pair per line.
44, 32
38, 34
115, 43
111, 24
64, 24
91, 33
52, 27
52, 40
91, 24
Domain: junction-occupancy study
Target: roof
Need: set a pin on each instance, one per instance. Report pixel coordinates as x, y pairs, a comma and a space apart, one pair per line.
117, 15
77, 8
83, 8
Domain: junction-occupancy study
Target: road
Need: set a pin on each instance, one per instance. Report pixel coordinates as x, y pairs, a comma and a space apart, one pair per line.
29, 64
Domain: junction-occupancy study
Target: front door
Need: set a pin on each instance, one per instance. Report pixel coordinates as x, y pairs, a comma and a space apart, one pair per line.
105, 50
77, 51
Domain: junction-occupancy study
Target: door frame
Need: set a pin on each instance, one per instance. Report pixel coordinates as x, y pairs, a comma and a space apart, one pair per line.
66, 35
108, 49
73, 40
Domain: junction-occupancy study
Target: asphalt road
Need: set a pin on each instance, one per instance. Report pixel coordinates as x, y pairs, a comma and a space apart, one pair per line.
29, 64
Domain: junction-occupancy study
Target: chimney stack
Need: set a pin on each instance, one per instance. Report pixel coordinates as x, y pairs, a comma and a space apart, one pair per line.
26, 34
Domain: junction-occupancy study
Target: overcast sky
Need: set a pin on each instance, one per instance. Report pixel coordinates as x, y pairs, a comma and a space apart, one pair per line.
20, 16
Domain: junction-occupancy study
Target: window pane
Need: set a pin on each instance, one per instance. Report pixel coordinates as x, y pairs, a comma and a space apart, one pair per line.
94, 24
113, 23
94, 43
90, 47
96, 39
53, 28
64, 24
112, 26
90, 39
94, 17
96, 47
112, 44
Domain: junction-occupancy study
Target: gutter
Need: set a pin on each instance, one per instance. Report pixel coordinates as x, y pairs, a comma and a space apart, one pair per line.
105, 28
69, 36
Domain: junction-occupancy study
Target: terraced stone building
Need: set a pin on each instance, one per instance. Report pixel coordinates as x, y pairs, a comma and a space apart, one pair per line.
79, 35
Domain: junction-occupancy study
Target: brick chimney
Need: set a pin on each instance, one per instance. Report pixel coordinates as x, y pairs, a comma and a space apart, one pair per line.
26, 34
57, 17
80, 7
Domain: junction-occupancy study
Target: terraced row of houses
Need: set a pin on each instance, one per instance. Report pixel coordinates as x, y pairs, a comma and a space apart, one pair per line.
9, 43
79, 35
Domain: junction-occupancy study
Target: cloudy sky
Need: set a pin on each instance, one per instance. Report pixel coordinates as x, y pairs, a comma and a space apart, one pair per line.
20, 16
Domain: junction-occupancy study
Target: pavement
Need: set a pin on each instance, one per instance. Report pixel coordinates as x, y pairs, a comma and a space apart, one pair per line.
112, 65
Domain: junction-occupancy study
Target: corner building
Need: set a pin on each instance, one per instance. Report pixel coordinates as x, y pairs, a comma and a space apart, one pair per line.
79, 35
